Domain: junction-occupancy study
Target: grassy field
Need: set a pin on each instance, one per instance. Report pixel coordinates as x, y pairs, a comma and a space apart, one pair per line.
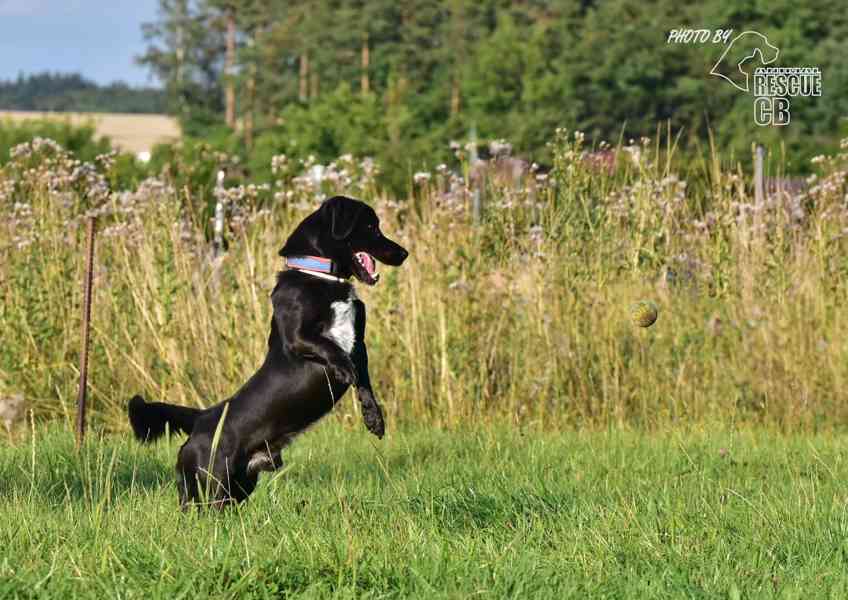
129, 132
437, 514
541, 444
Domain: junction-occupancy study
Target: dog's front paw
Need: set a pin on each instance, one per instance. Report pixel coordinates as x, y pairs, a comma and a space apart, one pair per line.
372, 414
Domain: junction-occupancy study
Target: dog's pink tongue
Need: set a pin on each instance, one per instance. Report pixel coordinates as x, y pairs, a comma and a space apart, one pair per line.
367, 262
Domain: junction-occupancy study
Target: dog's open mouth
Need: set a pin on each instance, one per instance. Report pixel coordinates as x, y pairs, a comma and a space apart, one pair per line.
365, 268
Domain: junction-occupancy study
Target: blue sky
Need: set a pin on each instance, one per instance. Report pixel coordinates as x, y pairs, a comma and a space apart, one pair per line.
97, 38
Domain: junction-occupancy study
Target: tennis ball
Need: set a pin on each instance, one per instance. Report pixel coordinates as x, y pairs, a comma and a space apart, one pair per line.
644, 313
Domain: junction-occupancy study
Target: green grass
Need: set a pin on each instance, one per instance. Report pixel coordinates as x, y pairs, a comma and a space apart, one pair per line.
521, 319
428, 513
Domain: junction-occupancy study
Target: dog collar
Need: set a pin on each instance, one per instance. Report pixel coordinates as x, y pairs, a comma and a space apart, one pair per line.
317, 266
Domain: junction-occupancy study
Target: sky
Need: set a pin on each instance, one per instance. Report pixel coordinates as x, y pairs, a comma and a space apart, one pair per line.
97, 38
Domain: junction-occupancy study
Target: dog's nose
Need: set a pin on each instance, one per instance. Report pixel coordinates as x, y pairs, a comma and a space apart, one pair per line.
402, 255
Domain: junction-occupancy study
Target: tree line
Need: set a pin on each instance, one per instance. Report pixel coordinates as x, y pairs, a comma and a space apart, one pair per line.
403, 77
73, 92
400, 79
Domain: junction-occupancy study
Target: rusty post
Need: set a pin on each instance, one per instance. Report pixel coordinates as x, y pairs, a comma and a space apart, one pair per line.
86, 327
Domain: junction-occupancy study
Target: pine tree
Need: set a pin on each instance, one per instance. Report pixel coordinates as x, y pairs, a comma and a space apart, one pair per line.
185, 54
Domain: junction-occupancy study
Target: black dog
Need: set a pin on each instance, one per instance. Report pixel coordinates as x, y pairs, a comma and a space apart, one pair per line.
316, 350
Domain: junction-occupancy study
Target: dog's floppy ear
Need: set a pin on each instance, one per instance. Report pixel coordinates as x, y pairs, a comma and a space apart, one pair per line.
341, 214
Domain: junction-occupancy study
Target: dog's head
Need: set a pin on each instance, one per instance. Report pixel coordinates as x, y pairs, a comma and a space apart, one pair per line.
346, 231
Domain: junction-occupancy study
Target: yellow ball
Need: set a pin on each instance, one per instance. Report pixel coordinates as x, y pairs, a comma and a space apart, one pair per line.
644, 313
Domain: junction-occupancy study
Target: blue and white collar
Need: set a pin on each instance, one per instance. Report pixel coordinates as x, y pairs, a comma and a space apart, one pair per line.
317, 266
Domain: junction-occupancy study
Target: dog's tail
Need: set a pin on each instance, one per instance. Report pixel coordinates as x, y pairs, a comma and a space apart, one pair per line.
148, 419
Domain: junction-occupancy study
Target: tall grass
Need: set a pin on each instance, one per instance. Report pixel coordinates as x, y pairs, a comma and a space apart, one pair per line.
523, 318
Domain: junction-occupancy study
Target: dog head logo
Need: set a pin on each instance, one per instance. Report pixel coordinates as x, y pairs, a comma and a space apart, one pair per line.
735, 63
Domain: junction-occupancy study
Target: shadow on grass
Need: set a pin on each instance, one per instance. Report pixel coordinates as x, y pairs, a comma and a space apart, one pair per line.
48, 469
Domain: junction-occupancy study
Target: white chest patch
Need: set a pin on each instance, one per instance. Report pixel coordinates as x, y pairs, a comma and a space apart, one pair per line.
341, 330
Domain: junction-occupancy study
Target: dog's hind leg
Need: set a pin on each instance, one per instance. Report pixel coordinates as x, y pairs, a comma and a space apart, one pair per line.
242, 484
201, 481
209, 480
189, 476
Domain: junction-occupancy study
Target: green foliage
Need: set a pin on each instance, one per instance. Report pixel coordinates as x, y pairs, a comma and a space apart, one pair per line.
195, 162
339, 122
78, 139
513, 71
125, 171
344, 122
366, 130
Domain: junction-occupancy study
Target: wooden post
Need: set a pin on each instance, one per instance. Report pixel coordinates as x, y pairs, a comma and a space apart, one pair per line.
476, 200
759, 179
759, 195
750, 233
86, 326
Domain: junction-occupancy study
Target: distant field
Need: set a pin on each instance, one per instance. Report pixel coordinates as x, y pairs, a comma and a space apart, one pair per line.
129, 132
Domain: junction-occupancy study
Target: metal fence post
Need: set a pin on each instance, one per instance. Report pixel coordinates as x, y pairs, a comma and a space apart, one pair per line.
88, 280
